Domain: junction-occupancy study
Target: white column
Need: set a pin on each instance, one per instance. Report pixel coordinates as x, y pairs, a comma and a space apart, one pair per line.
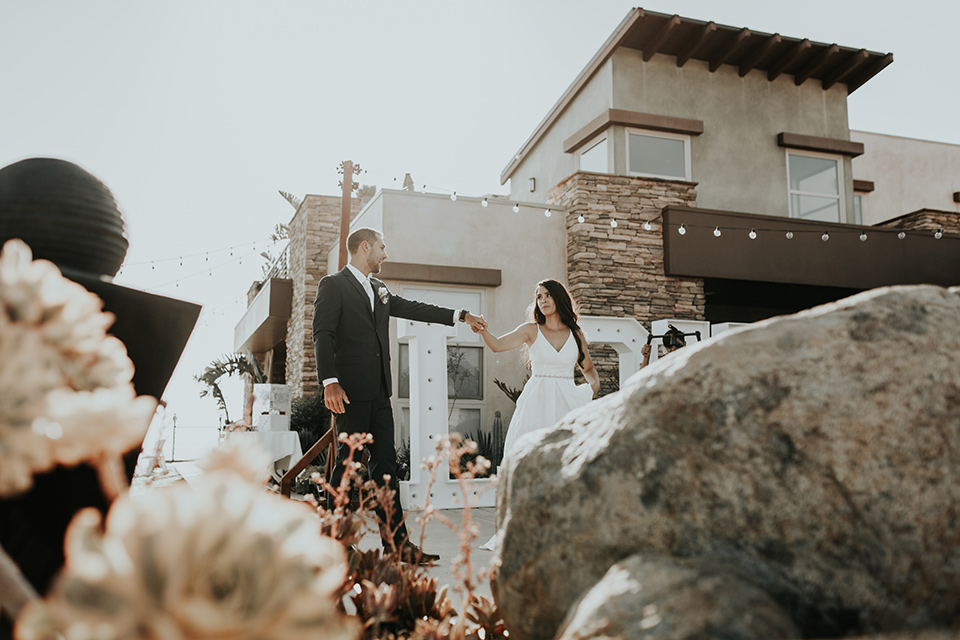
625, 335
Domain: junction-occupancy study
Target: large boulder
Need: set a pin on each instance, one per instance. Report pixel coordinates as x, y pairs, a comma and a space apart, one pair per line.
669, 599
818, 453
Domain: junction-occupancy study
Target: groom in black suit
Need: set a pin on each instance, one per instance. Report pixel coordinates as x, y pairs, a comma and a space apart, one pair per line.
351, 338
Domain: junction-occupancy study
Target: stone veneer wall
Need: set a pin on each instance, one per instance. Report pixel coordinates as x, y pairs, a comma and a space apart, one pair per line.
926, 220
315, 228
619, 271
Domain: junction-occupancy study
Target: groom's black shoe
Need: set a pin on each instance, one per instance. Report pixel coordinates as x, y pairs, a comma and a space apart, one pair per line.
412, 554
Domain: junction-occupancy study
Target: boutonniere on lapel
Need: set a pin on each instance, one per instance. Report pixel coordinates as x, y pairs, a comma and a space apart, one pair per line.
383, 294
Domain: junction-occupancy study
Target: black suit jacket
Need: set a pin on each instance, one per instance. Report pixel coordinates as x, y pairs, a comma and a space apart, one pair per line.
352, 343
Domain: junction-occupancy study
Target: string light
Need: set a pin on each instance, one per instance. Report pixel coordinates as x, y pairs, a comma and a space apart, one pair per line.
453, 196
753, 234
613, 223
901, 235
825, 236
484, 203
938, 234
548, 213
580, 218
863, 236
647, 226
516, 208
789, 235
682, 230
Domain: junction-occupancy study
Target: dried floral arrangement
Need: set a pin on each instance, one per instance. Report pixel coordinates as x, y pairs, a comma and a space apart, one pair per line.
223, 557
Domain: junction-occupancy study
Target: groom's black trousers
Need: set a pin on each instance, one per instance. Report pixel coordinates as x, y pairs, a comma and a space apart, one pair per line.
376, 418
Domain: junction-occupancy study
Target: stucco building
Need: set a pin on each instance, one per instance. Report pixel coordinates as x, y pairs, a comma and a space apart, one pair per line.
692, 171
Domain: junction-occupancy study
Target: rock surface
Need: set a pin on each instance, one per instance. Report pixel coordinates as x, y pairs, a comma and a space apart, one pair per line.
667, 599
819, 453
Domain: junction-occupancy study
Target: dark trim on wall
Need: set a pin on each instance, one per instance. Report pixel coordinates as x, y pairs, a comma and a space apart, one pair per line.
863, 186
843, 261
823, 145
631, 119
470, 276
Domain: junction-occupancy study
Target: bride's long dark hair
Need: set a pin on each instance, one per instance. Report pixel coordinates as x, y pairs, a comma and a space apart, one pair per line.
566, 309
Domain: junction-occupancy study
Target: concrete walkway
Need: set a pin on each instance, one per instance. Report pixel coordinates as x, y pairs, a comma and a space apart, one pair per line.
441, 539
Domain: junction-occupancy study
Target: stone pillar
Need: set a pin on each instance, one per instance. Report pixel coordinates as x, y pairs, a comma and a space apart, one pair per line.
314, 231
618, 271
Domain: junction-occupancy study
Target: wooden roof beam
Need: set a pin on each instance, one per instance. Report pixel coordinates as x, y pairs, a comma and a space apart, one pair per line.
696, 43
850, 64
788, 58
879, 64
815, 65
727, 51
758, 53
665, 32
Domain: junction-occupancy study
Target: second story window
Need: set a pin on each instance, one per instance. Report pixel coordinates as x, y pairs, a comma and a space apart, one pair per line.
815, 192
658, 155
595, 159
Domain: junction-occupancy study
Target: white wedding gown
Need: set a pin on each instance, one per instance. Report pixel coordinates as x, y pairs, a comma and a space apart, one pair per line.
549, 394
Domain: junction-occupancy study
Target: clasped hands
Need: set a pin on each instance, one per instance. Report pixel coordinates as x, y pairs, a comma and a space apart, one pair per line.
477, 323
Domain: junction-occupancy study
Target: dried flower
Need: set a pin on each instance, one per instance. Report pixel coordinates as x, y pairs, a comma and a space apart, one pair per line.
67, 396
223, 559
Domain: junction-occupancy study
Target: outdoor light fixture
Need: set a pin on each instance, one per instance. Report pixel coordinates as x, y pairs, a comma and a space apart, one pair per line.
863, 236
789, 235
533, 185
516, 208
716, 232
901, 235
613, 223
939, 233
580, 218
484, 203
548, 213
453, 196
682, 230
647, 226
825, 236
753, 234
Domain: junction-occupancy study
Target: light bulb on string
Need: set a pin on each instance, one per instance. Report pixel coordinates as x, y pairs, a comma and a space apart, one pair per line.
753, 234
613, 223
484, 203
716, 232
825, 236
516, 208
938, 234
453, 196
548, 213
789, 235
901, 235
863, 236
682, 230
580, 218
647, 226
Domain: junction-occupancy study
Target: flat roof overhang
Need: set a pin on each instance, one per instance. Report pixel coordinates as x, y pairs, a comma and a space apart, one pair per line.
264, 324
844, 260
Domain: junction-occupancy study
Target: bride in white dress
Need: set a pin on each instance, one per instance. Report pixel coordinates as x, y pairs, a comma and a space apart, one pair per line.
556, 346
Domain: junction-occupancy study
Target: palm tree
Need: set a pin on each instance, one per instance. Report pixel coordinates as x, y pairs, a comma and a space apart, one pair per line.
235, 363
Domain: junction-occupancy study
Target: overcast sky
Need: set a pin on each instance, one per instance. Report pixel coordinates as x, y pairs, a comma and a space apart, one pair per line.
195, 113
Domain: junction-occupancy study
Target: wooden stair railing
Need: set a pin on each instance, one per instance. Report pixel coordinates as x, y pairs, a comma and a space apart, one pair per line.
329, 439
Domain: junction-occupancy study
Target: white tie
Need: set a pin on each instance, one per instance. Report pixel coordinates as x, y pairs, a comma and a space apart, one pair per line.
368, 287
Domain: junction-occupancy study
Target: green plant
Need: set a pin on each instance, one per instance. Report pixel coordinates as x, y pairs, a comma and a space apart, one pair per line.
310, 418
233, 364
484, 449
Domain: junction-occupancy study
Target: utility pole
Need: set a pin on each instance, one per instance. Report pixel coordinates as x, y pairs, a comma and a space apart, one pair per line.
347, 169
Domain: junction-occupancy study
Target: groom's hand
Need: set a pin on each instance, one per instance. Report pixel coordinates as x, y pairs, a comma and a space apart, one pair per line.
477, 323
334, 397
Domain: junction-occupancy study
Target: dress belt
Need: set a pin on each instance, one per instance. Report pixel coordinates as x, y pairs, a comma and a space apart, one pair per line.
543, 375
